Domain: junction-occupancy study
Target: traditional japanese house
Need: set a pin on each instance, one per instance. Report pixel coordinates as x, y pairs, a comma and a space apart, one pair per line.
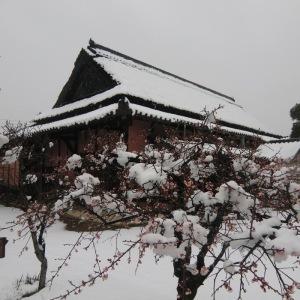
109, 94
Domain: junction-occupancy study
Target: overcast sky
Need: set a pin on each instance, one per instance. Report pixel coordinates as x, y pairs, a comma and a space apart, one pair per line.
248, 49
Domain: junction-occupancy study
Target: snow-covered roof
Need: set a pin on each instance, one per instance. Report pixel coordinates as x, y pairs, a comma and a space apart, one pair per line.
78, 120
148, 83
143, 81
136, 110
149, 112
281, 150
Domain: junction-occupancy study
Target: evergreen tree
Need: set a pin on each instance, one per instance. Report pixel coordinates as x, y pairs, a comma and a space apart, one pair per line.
295, 115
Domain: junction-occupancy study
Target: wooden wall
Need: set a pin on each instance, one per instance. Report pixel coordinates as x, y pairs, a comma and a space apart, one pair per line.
10, 174
137, 135
88, 140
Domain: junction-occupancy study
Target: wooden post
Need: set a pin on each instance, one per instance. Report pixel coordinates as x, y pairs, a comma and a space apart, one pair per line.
243, 142
3, 242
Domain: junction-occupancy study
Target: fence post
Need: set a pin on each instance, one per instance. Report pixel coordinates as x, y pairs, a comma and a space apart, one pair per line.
3, 242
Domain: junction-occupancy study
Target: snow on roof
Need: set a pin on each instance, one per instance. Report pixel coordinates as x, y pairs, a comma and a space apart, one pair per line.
151, 84
146, 111
77, 120
143, 81
284, 151
79, 104
136, 110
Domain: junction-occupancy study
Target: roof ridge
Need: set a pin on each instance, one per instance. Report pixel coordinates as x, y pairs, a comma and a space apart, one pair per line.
284, 140
92, 46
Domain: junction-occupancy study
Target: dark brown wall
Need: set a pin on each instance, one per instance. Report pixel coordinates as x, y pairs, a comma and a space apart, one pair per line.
137, 135
88, 140
10, 174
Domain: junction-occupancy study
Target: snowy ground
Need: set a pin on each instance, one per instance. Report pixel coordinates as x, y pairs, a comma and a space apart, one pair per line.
152, 281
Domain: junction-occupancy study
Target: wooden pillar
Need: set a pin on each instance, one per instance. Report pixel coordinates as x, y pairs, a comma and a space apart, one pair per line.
137, 135
243, 143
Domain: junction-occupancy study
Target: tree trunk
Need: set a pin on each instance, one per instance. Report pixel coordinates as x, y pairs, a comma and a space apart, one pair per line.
188, 284
190, 296
43, 274
39, 250
187, 287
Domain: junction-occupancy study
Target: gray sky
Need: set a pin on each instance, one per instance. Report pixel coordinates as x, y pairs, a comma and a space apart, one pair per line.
249, 49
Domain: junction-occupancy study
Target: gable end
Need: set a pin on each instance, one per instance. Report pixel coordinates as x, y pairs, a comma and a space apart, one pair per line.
87, 79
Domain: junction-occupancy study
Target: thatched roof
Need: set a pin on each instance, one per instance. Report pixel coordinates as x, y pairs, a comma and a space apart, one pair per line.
102, 77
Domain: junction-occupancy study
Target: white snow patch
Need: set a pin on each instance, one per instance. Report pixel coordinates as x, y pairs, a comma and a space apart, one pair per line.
31, 178
147, 175
151, 281
280, 150
12, 155
74, 162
